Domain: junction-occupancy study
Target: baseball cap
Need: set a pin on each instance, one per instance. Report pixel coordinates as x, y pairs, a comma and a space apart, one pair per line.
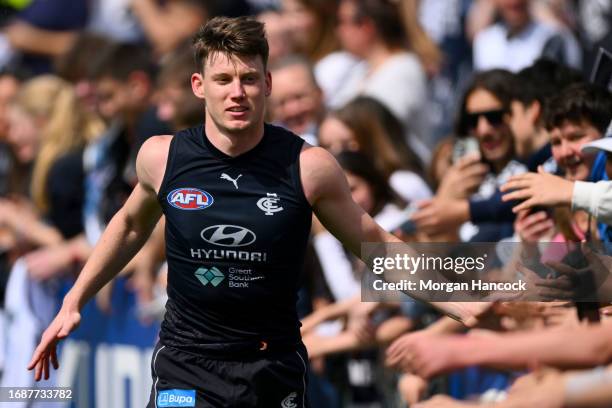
604, 144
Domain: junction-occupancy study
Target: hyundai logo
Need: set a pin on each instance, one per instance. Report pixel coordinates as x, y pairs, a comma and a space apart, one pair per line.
228, 235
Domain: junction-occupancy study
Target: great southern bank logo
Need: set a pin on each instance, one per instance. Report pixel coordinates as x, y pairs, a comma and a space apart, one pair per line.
213, 276
176, 398
187, 198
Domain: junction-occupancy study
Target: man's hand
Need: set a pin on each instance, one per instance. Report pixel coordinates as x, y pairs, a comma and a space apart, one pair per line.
440, 215
423, 354
533, 227
463, 178
360, 321
538, 189
542, 389
49, 262
66, 321
599, 264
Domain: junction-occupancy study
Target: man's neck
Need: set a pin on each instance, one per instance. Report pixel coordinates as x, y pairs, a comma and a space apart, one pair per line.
530, 146
233, 143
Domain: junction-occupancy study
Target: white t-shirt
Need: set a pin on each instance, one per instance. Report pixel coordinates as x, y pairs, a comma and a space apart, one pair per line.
401, 85
493, 48
332, 73
337, 267
409, 186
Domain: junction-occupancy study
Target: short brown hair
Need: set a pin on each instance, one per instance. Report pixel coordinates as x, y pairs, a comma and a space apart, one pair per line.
242, 36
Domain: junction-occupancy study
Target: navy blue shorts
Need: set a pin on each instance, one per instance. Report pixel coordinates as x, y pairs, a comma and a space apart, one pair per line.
267, 379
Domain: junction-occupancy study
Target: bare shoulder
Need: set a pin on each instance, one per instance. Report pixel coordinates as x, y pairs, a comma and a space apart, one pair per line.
151, 161
320, 173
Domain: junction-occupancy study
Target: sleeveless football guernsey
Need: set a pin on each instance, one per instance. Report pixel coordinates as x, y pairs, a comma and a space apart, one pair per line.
236, 233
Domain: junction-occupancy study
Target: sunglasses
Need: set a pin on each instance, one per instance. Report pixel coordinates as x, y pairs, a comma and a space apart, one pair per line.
495, 118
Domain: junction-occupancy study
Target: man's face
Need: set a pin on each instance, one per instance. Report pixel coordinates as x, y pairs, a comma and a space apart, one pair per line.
566, 142
488, 122
354, 37
235, 89
122, 99
296, 101
522, 121
112, 98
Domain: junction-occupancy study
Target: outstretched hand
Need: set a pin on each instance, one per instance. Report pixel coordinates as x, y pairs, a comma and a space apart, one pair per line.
66, 321
537, 189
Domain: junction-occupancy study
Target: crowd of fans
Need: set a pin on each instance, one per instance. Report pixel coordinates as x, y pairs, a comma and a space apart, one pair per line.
471, 119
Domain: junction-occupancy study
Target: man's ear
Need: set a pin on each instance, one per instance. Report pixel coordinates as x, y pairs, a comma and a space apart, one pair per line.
197, 85
534, 110
268, 83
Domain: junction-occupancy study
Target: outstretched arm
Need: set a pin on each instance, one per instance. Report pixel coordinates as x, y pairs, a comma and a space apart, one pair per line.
124, 236
329, 195
437, 355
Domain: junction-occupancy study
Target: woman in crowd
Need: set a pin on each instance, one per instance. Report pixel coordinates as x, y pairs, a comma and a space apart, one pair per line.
365, 125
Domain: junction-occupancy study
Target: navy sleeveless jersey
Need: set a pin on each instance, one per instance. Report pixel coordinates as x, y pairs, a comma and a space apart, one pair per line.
236, 233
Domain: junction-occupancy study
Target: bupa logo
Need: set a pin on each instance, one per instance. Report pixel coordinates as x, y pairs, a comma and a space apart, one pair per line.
190, 199
176, 398
228, 235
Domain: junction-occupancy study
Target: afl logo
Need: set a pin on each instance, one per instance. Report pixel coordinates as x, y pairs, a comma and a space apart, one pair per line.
190, 199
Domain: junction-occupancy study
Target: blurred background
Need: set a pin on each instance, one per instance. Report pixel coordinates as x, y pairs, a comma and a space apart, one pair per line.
429, 106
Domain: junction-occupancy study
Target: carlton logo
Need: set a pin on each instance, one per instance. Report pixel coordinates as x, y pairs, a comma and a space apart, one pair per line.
190, 199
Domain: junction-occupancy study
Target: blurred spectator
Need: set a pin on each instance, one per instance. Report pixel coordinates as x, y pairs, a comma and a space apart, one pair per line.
167, 24
296, 101
594, 20
576, 116
47, 123
45, 29
395, 55
367, 126
175, 101
343, 273
445, 21
9, 85
78, 63
518, 40
311, 24
278, 33
484, 114
534, 85
114, 19
48, 129
124, 80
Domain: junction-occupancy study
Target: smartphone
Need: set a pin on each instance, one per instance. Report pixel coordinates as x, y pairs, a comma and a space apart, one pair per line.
602, 69
464, 146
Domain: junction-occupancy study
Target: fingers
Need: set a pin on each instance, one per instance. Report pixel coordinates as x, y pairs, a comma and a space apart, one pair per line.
54, 360
563, 268
46, 367
518, 181
533, 226
38, 371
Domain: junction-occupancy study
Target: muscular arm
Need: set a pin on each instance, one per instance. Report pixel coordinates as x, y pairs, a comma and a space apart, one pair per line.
129, 229
124, 236
328, 193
